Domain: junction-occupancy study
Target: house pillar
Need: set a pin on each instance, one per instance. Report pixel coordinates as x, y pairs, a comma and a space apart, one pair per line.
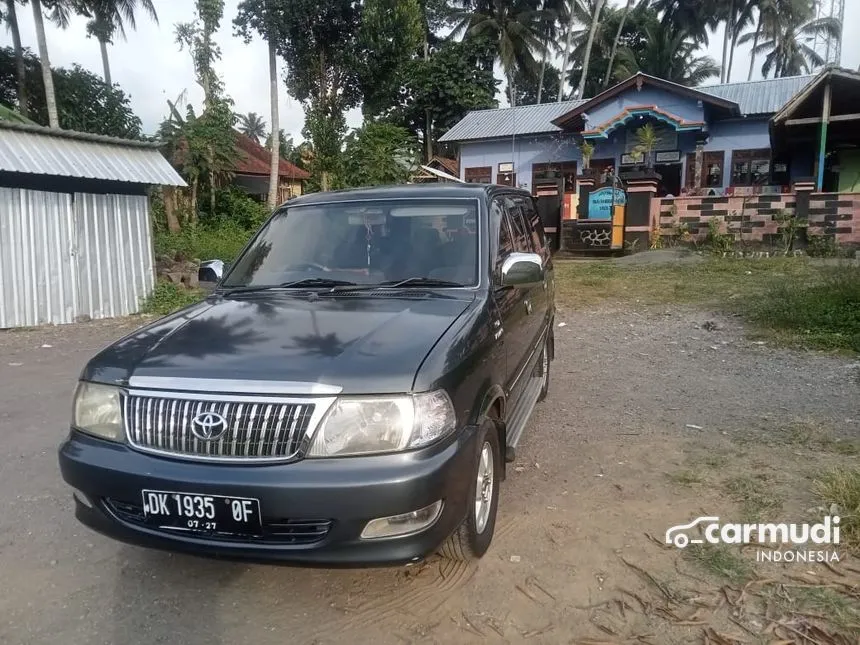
802, 195
585, 184
637, 218
698, 163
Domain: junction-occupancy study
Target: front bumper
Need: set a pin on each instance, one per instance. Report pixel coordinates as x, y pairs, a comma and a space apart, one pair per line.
335, 496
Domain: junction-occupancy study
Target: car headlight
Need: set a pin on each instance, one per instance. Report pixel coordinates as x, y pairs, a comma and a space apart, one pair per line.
97, 411
363, 425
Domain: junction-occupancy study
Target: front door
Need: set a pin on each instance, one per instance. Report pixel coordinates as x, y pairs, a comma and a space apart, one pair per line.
670, 183
511, 330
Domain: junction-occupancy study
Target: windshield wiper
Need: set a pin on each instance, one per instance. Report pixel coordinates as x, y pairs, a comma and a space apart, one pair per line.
304, 282
419, 282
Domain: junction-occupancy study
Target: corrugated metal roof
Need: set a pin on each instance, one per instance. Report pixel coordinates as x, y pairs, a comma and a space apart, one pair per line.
42, 151
505, 122
760, 97
752, 97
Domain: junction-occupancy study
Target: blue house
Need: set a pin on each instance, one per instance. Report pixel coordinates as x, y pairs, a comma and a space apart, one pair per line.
719, 140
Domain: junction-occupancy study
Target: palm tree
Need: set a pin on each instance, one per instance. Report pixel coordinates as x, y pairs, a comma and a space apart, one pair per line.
556, 14
609, 65
47, 76
671, 54
109, 17
786, 48
514, 28
252, 124
20, 68
738, 15
595, 21
694, 17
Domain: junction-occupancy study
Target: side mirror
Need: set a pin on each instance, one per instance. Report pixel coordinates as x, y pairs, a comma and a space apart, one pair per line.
211, 271
522, 270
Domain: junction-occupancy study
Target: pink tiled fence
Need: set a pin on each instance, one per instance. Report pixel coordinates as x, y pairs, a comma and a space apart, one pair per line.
754, 218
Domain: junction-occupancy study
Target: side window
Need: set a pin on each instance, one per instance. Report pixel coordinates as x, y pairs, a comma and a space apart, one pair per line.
503, 243
522, 239
535, 225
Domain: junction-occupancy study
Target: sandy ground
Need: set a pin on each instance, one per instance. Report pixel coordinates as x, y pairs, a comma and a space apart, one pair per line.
652, 415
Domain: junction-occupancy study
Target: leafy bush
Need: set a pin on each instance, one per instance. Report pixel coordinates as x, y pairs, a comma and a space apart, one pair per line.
715, 240
822, 246
168, 297
826, 312
234, 205
221, 241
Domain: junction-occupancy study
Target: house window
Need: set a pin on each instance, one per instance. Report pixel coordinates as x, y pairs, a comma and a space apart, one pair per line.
506, 179
712, 169
565, 169
750, 167
480, 175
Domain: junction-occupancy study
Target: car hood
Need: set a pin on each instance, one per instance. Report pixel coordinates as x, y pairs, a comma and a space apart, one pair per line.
364, 344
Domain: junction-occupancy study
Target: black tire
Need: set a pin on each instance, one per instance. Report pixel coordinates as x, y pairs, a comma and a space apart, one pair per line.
466, 543
543, 369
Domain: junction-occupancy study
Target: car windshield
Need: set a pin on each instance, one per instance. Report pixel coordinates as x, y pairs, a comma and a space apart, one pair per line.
364, 243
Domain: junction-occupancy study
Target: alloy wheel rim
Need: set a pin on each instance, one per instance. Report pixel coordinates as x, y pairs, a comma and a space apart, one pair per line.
484, 488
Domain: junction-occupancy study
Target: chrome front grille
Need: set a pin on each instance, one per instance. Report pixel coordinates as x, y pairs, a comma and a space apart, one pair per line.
255, 429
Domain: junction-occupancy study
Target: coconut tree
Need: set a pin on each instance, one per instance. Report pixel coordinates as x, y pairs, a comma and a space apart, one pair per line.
11, 18
614, 51
595, 21
786, 50
671, 54
252, 125
515, 29
109, 17
47, 77
555, 15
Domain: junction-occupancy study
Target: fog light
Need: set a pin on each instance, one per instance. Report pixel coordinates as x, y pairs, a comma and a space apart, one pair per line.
82, 498
405, 524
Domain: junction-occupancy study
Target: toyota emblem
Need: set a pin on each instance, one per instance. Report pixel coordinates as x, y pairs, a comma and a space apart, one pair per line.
208, 425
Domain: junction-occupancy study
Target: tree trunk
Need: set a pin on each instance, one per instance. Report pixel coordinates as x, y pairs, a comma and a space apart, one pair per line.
47, 76
595, 20
428, 140
566, 55
20, 67
192, 214
755, 44
211, 190
726, 37
168, 196
611, 62
275, 158
735, 35
105, 62
511, 90
542, 72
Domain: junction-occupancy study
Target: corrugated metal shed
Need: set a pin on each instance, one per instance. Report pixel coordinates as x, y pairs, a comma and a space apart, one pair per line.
64, 256
753, 97
43, 151
760, 97
505, 122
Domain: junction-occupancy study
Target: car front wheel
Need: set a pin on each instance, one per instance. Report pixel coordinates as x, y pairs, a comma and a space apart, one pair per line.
472, 538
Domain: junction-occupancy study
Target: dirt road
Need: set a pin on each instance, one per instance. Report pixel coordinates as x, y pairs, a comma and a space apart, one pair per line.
651, 418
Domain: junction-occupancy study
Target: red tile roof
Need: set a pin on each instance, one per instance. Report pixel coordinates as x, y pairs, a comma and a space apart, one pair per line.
452, 166
254, 160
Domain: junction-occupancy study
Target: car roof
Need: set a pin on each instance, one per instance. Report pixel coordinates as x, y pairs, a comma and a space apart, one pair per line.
405, 191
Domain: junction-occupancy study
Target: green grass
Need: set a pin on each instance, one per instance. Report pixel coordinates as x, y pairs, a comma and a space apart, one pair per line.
720, 561
684, 478
841, 486
793, 301
755, 494
168, 297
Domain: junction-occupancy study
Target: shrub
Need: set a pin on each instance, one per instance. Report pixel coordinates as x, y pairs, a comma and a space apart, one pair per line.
168, 297
715, 240
234, 205
221, 241
822, 246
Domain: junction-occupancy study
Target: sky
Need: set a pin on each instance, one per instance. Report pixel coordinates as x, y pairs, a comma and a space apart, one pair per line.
151, 69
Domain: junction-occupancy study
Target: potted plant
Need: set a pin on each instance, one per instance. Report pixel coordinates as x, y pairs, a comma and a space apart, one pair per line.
646, 142
586, 149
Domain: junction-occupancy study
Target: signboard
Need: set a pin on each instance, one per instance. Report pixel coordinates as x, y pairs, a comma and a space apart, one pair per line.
670, 156
630, 158
600, 202
506, 167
